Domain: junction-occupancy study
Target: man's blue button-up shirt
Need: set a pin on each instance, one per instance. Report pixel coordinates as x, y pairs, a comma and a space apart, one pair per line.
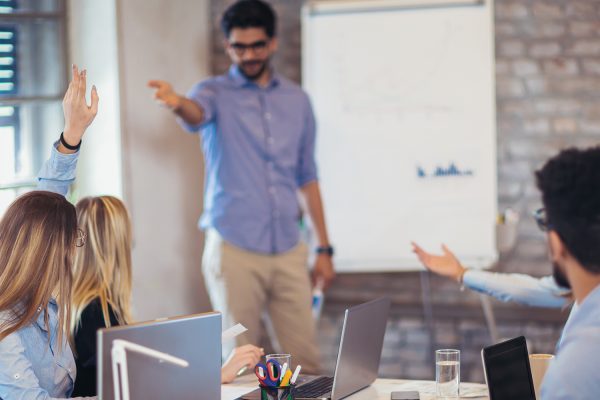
575, 373
258, 145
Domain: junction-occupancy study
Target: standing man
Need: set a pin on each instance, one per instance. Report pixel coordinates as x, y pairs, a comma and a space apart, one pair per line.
258, 139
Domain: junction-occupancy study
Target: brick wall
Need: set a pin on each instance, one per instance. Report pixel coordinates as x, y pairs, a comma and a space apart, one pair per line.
548, 97
458, 323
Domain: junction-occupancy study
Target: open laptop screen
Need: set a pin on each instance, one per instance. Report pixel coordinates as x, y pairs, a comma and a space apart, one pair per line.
360, 347
193, 338
507, 370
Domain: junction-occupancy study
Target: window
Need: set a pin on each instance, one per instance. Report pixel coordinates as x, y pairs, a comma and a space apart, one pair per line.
32, 82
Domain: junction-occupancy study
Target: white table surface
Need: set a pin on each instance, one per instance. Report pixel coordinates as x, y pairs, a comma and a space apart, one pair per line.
380, 390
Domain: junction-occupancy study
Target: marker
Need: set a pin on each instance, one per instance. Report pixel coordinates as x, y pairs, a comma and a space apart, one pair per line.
296, 373
283, 372
286, 379
317, 299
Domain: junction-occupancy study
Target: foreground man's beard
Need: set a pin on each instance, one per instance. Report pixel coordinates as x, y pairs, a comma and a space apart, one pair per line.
560, 277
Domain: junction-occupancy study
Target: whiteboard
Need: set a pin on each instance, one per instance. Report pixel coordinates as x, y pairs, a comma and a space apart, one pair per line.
404, 97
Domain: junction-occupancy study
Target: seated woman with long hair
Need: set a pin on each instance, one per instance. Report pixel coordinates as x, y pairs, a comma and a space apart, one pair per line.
38, 240
102, 288
102, 281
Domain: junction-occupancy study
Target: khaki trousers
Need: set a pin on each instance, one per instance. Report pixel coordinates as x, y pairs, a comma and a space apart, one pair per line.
242, 284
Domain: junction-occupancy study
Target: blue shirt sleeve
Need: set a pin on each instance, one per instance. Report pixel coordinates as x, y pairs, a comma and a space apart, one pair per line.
520, 288
307, 166
203, 94
58, 172
17, 378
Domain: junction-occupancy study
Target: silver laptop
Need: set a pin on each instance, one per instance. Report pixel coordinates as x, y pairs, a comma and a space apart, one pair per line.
358, 356
195, 338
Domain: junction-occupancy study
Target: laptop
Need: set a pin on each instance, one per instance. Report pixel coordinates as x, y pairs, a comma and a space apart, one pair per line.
507, 370
358, 358
194, 338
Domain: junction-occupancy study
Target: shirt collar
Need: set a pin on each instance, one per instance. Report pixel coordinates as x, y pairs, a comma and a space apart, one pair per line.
592, 298
240, 80
40, 319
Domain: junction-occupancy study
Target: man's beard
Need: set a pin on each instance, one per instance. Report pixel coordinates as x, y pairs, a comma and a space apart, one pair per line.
256, 75
560, 277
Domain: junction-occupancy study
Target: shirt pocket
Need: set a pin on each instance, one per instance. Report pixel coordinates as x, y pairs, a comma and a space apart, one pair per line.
65, 374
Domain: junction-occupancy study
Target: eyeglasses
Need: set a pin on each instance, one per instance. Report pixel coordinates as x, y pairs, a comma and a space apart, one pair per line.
80, 238
259, 47
542, 219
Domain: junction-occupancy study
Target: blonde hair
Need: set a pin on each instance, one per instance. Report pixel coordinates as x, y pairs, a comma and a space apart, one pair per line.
37, 243
102, 268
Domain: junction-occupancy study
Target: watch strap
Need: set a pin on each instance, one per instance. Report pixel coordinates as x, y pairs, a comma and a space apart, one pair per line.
325, 250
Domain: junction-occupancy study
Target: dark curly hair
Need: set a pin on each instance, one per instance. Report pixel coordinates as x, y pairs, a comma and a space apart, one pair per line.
570, 186
249, 14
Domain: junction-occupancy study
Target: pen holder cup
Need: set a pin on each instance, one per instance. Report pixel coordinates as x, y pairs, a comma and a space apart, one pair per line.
277, 393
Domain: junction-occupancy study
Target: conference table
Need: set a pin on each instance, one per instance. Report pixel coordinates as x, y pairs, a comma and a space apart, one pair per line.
379, 390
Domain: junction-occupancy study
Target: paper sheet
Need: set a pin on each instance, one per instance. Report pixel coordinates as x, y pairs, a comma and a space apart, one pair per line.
231, 333
233, 392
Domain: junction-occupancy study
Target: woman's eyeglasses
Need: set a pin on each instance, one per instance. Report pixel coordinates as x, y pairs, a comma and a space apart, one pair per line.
542, 220
80, 238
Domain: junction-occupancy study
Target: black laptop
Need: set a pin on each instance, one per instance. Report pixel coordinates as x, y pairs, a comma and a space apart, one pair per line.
507, 370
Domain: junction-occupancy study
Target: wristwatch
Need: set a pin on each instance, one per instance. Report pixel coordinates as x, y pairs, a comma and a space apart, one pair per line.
325, 250
67, 145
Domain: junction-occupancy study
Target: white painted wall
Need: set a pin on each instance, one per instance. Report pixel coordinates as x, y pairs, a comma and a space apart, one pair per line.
93, 45
162, 166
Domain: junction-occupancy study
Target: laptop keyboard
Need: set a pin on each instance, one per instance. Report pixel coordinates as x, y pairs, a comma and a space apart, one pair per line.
315, 389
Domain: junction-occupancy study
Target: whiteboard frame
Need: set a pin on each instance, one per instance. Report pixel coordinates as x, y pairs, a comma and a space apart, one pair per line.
315, 7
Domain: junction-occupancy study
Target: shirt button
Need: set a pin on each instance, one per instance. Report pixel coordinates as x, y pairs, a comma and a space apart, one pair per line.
17, 376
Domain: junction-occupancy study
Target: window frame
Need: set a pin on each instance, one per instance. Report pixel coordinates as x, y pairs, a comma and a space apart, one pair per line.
19, 185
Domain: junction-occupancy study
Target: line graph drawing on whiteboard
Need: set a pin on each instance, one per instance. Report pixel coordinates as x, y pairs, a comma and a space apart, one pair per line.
443, 172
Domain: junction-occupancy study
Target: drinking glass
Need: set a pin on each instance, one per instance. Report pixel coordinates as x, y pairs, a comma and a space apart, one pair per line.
447, 373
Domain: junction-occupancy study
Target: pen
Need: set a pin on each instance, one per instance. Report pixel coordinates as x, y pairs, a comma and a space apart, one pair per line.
296, 373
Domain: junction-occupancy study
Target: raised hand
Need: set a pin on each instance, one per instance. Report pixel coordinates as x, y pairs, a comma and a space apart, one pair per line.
78, 115
445, 265
244, 356
165, 95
